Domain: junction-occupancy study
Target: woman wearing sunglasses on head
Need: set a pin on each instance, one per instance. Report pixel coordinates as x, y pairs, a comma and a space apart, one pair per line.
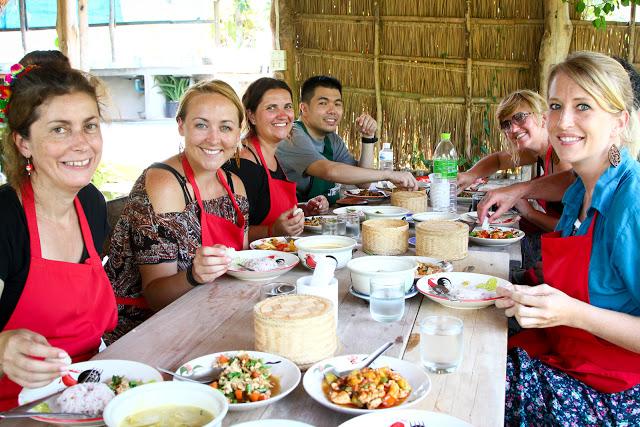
578, 360
521, 118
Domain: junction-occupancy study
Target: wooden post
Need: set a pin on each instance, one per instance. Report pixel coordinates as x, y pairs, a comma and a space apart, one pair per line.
216, 23
67, 28
469, 81
376, 68
22, 7
83, 33
556, 39
283, 12
632, 35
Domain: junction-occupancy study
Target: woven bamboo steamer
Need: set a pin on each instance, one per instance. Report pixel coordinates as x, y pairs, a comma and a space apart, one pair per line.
415, 201
301, 328
448, 240
385, 236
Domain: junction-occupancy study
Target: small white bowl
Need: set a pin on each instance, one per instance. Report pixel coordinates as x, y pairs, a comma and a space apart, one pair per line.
310, 249
153, 395
439, 216
364, 269
385, 212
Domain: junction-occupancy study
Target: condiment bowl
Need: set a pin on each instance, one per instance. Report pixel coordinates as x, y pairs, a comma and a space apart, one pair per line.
311, 249
364, 269
386, 212
155, 395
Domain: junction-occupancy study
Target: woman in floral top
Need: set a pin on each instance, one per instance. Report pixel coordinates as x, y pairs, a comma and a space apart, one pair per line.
182, 214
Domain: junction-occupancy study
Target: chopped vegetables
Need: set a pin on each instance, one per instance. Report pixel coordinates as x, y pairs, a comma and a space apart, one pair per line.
243, 378
495, 233
277, 244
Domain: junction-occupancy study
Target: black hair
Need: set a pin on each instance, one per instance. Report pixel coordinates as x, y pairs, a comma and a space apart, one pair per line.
635, 80
309, 86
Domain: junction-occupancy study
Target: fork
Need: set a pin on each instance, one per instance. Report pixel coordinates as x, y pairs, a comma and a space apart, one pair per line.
417, 424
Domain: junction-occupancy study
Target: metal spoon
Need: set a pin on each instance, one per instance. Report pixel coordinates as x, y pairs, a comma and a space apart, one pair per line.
206, 377
364, 364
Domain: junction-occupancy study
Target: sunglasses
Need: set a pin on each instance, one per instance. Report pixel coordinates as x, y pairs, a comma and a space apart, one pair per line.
517, 118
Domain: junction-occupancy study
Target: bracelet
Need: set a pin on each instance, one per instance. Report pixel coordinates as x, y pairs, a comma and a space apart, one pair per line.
369, 140
192, 280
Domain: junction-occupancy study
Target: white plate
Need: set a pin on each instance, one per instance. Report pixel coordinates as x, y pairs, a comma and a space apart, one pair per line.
445, 265
284, 369
235, 270
405, 418
273, 423
497, 242
462, 296
415, 376
316, 228
410, 294
435, 216
504, 219
256, 243
349, 209
132, 370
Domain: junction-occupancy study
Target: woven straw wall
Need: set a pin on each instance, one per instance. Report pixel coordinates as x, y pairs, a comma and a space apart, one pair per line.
423, 64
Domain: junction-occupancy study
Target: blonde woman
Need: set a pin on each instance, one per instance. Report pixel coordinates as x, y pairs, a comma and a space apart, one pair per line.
577, 362
183, 213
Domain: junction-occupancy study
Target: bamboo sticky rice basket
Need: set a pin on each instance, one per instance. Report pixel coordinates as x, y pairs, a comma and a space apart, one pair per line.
385, 236
446, 240
301, 328
415, 201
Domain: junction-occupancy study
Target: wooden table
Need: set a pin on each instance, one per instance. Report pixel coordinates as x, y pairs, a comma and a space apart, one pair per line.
217, 318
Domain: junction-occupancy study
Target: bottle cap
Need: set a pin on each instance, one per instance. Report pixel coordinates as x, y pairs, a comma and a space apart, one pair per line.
386, 145
445, 135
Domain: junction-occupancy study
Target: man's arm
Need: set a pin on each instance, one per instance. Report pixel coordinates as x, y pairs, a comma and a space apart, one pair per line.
347, 174
549, 188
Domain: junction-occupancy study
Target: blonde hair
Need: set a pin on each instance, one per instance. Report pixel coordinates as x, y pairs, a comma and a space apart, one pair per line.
210, 87
608, 83
509, 106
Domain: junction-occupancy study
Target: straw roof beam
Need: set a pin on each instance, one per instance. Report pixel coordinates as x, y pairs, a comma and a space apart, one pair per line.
420, 98
468, 86
376, 69
556, 39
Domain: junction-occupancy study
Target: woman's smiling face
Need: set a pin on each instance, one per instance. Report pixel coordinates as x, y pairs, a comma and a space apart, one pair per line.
211, 131
527, 133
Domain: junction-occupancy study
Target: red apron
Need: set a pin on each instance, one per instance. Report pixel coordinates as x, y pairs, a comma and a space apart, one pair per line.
217, 230
598, 363
70, 304
282, 193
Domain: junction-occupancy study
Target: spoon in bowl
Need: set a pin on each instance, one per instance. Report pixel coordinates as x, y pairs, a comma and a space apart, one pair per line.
331, 371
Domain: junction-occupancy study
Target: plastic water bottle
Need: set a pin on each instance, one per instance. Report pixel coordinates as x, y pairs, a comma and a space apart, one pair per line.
445, 162
385, 158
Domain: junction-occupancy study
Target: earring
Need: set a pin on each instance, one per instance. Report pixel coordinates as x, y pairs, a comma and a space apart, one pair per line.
237, 156
28, 167
180, 147
614, 156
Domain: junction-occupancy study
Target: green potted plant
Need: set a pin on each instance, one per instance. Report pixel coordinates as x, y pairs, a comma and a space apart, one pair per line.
172, 88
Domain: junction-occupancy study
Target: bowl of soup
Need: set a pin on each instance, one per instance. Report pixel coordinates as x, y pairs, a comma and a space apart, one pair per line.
168, 403
311, 249
363, 269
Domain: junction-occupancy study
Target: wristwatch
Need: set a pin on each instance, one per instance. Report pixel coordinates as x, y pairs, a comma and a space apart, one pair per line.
369, 140
192, 280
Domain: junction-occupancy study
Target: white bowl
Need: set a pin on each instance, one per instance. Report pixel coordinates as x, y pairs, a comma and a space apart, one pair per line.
519, 234
385, 212
310, 249
437, 216
149, 396
364, 269
237, 271
283, 369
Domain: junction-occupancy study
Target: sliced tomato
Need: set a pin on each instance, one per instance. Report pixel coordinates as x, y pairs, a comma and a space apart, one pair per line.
68, 380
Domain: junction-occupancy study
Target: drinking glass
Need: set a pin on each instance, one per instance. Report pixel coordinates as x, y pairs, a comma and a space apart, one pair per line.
351, 222
329, 226
475, 199
441, 343
386, 299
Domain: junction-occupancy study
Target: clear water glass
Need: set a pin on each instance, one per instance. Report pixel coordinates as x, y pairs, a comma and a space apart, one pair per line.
329, 226
386, 299
441, 343
351, 222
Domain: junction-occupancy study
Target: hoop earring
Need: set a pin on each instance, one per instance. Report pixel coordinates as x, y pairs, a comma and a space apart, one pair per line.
28, 167
614, 156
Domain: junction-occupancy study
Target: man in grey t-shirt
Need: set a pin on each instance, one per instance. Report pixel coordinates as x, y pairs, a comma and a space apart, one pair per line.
316, 158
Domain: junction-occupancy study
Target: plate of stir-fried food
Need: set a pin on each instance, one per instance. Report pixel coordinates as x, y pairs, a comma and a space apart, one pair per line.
427, 265
249, 379
496, 236
367, 194
283, 244
388, 383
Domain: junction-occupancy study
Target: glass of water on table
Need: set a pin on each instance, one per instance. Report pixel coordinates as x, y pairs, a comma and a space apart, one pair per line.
386, 299
441, 343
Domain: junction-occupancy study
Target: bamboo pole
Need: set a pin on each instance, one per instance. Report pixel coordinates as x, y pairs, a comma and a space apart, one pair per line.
632, 35
468, 88
67, 28
283, 12
22, 7
376, 69
83, 36
422, 99
421, 19
112, 29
